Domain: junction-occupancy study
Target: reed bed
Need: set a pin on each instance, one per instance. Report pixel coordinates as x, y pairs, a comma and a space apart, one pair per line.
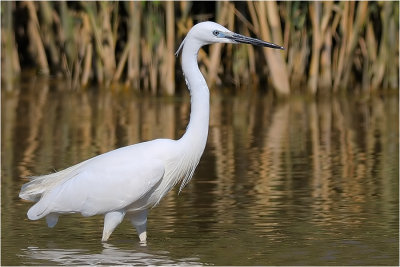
331, 47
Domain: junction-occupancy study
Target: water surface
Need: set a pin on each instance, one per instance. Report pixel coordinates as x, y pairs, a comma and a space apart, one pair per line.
295, 182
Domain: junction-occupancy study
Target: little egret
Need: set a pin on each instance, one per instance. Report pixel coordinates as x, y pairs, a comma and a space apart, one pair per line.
130, 180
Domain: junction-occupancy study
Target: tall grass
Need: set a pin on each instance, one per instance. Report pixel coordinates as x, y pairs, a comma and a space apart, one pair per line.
331, 47
9, 60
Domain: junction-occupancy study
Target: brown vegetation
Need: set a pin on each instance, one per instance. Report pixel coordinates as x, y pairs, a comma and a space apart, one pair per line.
330, 46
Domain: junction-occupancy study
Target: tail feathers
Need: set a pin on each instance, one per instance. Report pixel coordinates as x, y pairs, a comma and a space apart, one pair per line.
39, 185
33, 190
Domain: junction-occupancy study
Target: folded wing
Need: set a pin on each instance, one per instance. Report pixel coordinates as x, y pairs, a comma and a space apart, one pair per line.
102, 185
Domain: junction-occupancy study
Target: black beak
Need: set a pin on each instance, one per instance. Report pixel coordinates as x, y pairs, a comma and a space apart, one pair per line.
253, 41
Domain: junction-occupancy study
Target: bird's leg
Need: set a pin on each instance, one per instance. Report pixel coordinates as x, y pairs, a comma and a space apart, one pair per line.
139, 220
111, 220
51, 219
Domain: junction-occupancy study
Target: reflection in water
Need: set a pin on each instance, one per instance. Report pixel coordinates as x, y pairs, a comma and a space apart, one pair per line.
110, 255
294, 182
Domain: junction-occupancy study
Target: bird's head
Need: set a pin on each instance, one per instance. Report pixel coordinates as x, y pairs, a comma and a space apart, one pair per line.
210, 32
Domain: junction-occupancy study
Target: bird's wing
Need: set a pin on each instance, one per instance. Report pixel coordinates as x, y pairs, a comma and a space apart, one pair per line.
105, 184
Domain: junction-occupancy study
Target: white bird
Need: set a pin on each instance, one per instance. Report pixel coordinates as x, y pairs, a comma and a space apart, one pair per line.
130, 180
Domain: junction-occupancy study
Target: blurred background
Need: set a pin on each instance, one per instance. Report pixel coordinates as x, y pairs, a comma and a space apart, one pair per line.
302, 161
330, 46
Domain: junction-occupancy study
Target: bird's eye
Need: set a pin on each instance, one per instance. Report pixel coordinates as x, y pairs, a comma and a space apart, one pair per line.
216, 33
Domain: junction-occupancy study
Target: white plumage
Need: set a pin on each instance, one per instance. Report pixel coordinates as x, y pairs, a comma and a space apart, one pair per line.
130, 180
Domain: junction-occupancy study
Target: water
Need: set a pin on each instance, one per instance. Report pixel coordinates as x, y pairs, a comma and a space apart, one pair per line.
294, 182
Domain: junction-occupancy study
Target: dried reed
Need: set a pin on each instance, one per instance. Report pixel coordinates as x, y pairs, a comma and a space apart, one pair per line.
330, 46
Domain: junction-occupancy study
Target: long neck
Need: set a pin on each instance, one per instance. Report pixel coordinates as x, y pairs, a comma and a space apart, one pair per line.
197, 129
191, 145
